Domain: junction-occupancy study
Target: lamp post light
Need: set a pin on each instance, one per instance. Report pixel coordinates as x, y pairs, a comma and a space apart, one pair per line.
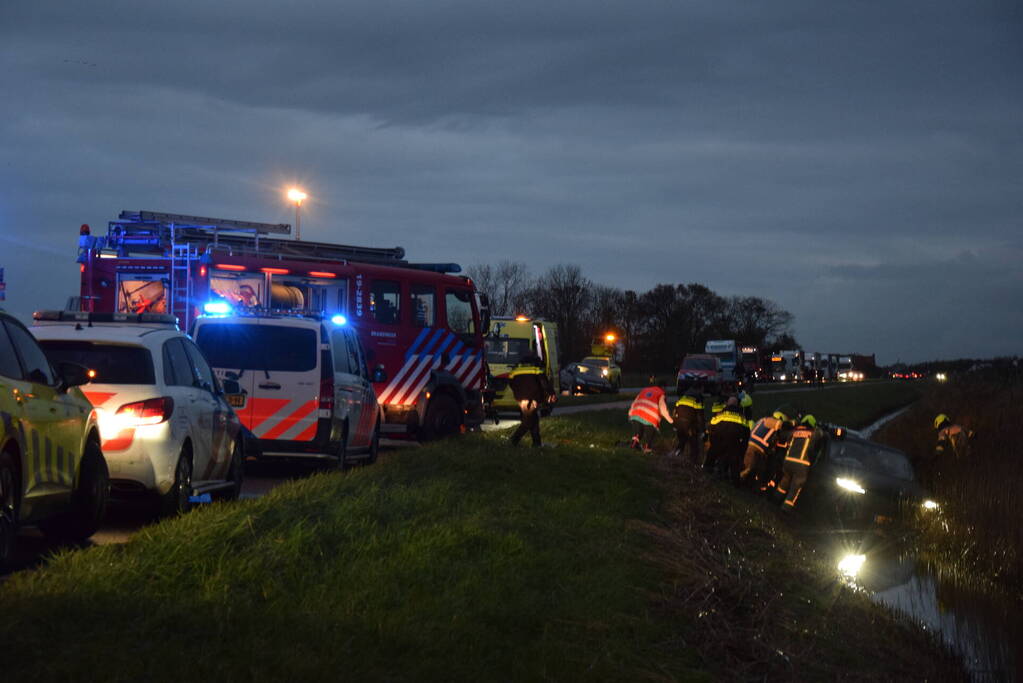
296, 195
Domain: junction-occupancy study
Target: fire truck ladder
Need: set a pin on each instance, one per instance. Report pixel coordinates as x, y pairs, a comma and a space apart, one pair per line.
180, 302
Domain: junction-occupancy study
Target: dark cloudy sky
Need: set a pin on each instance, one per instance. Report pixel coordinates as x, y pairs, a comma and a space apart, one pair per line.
859, 162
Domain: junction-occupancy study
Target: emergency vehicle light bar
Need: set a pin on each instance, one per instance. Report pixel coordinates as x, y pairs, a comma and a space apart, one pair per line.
86, 317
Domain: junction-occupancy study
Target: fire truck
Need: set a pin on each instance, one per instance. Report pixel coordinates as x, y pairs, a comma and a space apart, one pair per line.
422, 325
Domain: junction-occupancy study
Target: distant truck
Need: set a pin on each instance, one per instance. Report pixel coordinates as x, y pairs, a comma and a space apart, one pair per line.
508, 342
727, 353
787, 366
846, 371
752, 363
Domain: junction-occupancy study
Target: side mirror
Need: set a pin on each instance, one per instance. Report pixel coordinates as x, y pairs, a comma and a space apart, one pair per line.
72, 375
231, 386
379, 374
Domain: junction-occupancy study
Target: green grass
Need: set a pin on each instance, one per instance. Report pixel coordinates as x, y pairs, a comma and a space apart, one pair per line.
851, 405
463, 560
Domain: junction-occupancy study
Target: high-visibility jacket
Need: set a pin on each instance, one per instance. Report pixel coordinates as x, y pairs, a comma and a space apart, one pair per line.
529, 383
803, 445
953, 439
647, 406
728, 416
765, 433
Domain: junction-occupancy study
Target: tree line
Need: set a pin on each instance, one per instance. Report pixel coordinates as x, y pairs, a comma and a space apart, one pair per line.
656, 327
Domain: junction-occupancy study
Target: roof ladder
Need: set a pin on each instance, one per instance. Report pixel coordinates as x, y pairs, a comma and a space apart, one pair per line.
181, 301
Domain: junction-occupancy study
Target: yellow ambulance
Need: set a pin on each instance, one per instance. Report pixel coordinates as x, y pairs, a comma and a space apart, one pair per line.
508, 342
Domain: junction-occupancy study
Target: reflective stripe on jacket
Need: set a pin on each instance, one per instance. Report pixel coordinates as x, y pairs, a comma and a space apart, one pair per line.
765, 432
728, 416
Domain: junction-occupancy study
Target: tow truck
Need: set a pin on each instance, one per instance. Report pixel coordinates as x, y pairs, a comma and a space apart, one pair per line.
421, 324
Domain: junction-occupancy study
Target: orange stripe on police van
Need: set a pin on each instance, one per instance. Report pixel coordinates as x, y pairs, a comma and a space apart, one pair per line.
291, 420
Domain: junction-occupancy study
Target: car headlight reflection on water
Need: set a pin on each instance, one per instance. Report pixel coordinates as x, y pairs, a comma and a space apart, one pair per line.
929, 504
850, 485
851, 564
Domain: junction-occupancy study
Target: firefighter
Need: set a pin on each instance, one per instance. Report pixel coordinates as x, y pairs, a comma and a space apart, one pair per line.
532, 390
689, 419
952, 439
645, 417
728, 434
763, 442
746, 404
804, 447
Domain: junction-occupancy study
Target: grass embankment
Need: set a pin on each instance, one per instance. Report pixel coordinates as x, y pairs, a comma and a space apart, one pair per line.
463, 560
851, 405
979, 535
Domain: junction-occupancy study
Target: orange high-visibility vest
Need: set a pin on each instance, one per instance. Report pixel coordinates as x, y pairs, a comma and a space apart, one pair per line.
647, 406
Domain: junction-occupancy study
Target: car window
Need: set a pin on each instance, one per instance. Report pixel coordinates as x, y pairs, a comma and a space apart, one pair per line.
112, 363
339, 347
9, 365
424, 305
273, 348
36, 368
200, 366
177, 368
356, 355
458, 303
384, 300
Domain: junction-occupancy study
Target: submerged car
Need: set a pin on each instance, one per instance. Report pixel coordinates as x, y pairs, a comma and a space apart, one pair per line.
857, 479
584, 378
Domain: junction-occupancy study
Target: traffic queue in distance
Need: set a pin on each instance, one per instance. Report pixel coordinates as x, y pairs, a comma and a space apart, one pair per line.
294, 350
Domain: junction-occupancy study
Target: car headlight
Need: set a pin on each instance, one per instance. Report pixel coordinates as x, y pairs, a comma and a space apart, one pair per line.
583, 368
929, 504
850, 485
604, 372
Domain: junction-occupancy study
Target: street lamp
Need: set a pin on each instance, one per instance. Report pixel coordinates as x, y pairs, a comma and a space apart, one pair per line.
298, 196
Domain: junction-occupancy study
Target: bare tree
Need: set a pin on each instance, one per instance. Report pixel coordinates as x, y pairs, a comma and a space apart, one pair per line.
563, 295
505, 285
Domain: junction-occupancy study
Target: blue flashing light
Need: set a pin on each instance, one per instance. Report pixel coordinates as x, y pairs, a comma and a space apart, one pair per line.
217, 308
339, 320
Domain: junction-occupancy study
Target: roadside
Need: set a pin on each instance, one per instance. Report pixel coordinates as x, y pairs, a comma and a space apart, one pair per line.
467, 560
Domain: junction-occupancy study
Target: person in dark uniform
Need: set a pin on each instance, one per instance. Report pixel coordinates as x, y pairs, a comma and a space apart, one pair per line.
532, 389
805, 446
689, 419
729, 434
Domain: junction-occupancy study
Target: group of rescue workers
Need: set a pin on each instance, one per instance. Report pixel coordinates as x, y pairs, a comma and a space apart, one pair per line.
772, 456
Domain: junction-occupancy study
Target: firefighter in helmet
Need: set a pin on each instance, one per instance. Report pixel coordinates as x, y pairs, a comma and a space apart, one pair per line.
953, 440
763, 442
804, 447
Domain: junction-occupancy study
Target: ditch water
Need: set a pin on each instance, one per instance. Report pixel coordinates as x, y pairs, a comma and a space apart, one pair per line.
982, 625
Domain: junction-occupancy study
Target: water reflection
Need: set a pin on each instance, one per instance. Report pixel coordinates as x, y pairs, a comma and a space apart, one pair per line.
985, 629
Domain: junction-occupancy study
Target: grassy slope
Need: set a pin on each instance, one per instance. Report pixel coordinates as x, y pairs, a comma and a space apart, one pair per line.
463, 560
851, 405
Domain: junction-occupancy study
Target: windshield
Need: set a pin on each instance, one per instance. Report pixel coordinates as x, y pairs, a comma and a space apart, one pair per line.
698, 364
258, 347
598, 362
748, 358
507, 351
726, 357
870, 457
112, 363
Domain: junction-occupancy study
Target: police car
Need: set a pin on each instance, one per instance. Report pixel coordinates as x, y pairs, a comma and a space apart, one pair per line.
165, 424
52, 471
299, 382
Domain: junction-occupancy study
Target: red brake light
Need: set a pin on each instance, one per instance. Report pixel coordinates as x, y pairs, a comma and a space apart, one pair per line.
229, 266
321, 273
275, 271
152, 411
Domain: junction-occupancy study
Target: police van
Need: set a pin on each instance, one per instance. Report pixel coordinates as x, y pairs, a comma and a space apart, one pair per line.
300, 383
52, 470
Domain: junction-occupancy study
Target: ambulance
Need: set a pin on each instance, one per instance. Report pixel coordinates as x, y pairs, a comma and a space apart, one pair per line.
421, 324
509, 341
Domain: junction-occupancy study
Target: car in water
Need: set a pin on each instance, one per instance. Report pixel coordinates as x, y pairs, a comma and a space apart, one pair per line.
167, 430
856, 479
300, 384
52, 470
585, 378
608, 369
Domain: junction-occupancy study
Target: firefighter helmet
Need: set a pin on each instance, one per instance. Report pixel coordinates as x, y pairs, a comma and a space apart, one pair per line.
941, 420
809, 420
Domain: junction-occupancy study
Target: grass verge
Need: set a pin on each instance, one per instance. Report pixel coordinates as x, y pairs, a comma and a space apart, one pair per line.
464, 560
852, 405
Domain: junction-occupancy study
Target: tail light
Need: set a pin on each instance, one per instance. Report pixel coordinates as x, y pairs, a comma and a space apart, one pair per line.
149, 412
327, 393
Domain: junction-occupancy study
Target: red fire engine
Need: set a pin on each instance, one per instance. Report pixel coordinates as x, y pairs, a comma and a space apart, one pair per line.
422, 326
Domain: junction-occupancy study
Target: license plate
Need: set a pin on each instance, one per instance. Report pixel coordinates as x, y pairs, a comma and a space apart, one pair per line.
236, 400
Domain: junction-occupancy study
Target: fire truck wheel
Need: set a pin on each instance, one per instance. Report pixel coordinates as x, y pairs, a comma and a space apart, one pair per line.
236, 474
442, 418
88, 501
177, 499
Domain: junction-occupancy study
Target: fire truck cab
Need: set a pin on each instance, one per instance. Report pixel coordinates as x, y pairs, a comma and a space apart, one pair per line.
421, 325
